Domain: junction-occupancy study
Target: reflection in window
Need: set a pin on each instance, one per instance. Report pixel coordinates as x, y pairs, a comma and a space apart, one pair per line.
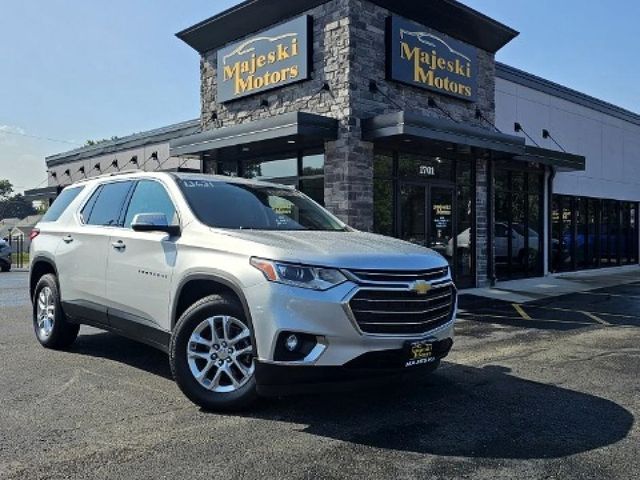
284, 170
383, 193
518, 240
593, 233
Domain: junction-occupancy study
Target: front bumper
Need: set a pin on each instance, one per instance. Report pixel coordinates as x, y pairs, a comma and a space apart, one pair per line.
369, 369
277, 308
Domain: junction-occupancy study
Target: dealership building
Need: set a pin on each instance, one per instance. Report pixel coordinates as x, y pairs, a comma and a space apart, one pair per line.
396, 117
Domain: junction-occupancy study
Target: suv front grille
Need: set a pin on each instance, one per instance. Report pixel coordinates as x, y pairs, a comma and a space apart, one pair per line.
394, 277
403, 312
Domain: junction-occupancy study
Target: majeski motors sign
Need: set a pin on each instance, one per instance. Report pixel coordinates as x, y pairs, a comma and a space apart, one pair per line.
272, 59
427, 59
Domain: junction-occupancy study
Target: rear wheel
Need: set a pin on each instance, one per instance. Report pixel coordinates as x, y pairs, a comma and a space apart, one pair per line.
212, 355
49, 322
5, 267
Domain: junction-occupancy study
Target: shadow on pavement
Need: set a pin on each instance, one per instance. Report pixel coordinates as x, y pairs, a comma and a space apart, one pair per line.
458, 411
462, 411
122, 350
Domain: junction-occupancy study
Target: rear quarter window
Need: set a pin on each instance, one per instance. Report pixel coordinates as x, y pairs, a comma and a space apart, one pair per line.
61, 204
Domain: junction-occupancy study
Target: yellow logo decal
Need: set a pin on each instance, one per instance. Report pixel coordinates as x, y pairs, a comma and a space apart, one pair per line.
421, 287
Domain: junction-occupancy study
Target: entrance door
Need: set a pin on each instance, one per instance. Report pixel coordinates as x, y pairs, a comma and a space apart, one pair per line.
427, 217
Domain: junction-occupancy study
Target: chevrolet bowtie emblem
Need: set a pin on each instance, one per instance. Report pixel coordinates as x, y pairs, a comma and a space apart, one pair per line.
421, 287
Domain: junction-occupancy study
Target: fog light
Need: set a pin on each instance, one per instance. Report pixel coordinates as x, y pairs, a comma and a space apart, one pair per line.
292, 343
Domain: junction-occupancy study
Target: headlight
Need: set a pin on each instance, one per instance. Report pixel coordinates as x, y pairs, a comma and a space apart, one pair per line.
316, 278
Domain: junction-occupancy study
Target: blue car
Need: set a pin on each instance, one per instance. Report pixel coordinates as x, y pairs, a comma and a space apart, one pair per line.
5, 256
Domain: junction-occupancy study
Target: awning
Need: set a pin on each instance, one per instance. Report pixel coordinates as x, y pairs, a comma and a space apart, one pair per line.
289, 127
411, 127
46, 193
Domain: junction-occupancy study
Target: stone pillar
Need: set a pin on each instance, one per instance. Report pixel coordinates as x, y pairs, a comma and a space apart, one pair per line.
349, 180
482, 223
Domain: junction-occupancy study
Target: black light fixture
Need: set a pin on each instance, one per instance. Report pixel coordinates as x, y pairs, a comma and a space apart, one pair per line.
67, 173
134, 160
374, 88
81, 170
431, 102
517, 127
546, 134
154, 156
480, 116
115, 164
54, 174
97, 167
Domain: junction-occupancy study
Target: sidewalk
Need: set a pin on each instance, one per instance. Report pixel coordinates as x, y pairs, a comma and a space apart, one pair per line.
531, 289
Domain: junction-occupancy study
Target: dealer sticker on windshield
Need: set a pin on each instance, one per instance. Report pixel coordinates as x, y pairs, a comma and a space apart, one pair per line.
419, 353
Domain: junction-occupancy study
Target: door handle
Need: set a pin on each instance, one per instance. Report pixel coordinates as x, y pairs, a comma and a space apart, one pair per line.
67, 239
119, 245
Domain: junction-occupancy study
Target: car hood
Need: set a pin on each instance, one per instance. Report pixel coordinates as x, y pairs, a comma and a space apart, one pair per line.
355, 250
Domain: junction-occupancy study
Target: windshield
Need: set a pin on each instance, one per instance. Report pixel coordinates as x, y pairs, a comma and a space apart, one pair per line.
239, 206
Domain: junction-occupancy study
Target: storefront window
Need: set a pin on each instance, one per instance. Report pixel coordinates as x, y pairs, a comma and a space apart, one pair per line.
593, 233
518, 223
383, 211
302, 169
412, 166
429, 201
312, 176
281, 171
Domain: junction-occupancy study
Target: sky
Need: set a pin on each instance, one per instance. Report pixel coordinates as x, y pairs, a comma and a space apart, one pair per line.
73, 70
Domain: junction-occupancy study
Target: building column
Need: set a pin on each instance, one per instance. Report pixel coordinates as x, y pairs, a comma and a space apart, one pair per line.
349, 180
483, 220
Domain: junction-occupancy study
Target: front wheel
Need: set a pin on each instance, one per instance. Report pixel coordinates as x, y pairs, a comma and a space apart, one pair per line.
211, 355
49, 322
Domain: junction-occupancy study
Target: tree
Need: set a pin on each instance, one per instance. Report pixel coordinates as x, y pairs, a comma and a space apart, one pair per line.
6, 189
16, 207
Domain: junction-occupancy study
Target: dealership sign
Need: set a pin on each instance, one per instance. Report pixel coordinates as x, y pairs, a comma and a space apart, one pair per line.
272, 59
427, 59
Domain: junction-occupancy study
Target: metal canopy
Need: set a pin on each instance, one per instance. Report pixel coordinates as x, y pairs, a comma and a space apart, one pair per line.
410, 126
446, 16
286, 127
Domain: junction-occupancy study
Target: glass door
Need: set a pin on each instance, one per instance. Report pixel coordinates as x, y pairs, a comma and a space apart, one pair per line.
441, 221
427, 217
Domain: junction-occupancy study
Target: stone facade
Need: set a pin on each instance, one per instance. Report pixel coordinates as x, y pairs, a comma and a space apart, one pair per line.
349, 51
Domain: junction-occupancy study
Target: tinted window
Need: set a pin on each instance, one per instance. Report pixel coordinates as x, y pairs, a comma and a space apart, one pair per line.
150, 197
239, 206
88, 208
61, 203
108, 205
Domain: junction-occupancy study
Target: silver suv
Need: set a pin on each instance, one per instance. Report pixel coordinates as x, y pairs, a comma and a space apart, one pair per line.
251, 288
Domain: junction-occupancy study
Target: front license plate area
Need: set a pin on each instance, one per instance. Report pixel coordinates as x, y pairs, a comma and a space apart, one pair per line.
419, 353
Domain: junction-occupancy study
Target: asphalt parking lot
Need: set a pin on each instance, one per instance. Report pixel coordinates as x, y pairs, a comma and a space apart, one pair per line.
543, 391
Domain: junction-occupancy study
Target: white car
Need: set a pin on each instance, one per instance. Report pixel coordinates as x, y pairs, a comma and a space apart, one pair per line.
251, 288
502, 232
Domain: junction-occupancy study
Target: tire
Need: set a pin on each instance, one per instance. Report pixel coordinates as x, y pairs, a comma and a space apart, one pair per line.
55, 331
194, 350
5, 267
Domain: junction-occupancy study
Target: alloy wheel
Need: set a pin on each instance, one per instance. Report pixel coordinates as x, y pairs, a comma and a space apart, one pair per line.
220, 354
46, 312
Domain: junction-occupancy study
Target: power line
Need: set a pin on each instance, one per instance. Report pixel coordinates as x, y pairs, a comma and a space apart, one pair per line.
40, 138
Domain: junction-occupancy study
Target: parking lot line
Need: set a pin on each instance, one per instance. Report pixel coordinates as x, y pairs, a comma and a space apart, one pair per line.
595, 318
518, 308
507, 317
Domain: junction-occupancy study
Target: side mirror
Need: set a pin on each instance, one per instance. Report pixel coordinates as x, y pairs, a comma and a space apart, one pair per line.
154, 222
